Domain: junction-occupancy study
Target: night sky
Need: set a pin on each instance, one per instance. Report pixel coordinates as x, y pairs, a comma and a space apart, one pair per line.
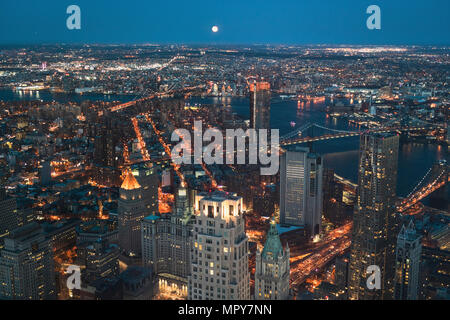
239, 21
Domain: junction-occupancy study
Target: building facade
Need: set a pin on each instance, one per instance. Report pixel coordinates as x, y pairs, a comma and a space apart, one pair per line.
106, 162
219, 261
26, 265
301, 197
167, 243
100, 259
131, 211
260, 105
407, 263
272, 268
375, 222
8, 215
147, 177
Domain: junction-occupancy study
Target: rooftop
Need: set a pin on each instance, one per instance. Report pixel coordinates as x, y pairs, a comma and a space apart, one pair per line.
220, 196
130, 182
273, 246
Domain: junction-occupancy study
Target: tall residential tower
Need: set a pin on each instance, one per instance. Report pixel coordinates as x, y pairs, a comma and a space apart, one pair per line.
167, 242
27, 270
260, 105
219, 263
407, 263
374, 222
147, 176
131, 211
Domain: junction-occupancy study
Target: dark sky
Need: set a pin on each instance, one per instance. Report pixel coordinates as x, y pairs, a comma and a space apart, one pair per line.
239, 21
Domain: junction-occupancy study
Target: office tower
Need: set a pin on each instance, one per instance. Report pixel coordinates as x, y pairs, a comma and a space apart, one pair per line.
62, 234
434, 272
147, 176
167, 243
219, 261
301, 196
95, 229
45, 173
260, 105
407, 263
26, 265
334, 209
25, 211
106, 157
131, 211
272, 268
99, 258
9, 217
341, 273
374, 222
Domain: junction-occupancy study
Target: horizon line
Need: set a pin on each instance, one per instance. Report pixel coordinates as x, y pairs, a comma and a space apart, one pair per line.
221, 44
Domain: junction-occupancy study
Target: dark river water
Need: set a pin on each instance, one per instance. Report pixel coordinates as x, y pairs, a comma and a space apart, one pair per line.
341, 155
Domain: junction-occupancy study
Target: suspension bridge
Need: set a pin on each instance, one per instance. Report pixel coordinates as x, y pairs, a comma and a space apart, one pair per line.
128, 104
298, 135
436, 177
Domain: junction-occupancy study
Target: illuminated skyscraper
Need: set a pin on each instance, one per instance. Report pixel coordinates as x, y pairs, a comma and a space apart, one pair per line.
260, 105
148, 178
301, 196
106, 157
375, 223
272, 268
26, 265
131, 211
99, 258
167, 243
407, 263
219, 262
9, 218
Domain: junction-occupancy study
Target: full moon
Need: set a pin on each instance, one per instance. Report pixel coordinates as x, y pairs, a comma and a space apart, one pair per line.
215, 28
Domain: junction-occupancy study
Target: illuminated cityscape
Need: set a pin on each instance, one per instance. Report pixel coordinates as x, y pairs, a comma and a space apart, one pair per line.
358, 208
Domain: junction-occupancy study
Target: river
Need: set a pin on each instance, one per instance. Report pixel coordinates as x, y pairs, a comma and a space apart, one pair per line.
341, 155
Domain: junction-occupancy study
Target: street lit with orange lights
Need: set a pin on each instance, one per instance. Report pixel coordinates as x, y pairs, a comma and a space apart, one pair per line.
142, 147
166, 148
306, 258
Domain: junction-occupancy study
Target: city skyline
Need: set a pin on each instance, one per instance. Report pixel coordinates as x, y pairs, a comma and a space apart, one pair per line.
94, 204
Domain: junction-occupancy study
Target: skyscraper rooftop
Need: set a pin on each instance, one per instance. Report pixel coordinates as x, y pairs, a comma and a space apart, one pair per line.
273, 246
130, 182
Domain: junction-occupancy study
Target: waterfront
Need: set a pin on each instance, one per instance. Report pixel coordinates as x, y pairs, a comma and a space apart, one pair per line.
7, 94
414, 158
